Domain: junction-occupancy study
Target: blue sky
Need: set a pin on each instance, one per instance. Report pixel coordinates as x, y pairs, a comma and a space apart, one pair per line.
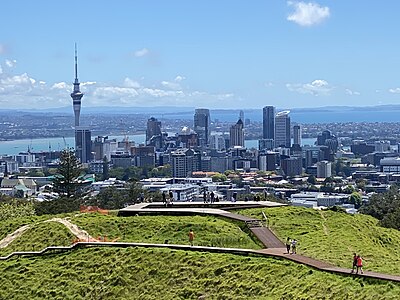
217, 54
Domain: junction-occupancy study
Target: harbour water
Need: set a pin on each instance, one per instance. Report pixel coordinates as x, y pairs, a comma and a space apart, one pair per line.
45, 144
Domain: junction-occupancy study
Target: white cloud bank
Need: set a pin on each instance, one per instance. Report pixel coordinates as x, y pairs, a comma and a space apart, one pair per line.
17, 91
395, 91
318, 87
307, 14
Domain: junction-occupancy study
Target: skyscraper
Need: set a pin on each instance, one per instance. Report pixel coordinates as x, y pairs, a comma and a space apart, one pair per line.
269, 122
83, 144
236, 134
282, 129
296, 135
153, 133
202, 126
76, 95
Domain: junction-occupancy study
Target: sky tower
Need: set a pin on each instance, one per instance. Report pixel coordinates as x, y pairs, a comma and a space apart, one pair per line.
76, 95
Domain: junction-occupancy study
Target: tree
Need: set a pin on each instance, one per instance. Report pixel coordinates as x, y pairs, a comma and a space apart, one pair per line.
312, 180
66, 181
356, 199
218, 177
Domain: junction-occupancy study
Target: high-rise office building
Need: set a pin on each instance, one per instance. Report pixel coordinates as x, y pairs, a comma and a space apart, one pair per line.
236, 134
296, 135
282, 129
153, 133
83, 144
202, 126
269, 122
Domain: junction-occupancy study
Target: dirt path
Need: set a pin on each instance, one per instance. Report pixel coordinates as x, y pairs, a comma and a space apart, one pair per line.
75, 230
12, 236
323, 223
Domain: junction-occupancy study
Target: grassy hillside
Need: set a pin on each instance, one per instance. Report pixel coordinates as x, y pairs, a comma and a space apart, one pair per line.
209, 230
134, 273
333, 236
39, 236
9, 226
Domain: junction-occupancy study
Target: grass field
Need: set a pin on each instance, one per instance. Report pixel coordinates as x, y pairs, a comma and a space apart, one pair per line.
209, 230
39, 236
135, 273
333, 236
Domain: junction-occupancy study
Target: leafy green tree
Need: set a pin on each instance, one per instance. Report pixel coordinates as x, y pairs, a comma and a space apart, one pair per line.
16, 209
66, 182
218, 177
385, 207
356, 199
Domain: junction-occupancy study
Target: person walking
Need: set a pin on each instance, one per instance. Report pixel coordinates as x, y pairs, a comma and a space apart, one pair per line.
212, 195
164, 197
359, 264
288, 245
354, 263
191, 237
294, 246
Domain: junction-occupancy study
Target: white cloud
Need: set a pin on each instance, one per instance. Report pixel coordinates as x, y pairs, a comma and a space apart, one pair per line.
307, 14
395, 91
318, 87
10, 63
131, 83
141, 52
61, 86
179, 78
269, 84
24, 91
352, 93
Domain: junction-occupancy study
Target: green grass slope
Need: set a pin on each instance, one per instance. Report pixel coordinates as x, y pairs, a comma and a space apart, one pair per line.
209, 230
40, 236
333, 236
135, 273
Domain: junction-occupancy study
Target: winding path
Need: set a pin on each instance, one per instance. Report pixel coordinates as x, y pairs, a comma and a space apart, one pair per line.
274, 247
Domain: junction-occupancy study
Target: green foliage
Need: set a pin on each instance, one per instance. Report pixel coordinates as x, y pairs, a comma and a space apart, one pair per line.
136, 273
209, 231
356, 199
218, 177
16, 210
57, 206
334, 236
385, 207
66, 181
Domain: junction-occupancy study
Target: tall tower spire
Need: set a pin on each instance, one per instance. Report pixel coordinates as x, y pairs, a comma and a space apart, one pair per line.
76, 95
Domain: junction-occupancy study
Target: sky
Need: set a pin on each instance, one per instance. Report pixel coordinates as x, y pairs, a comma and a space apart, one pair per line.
214, 54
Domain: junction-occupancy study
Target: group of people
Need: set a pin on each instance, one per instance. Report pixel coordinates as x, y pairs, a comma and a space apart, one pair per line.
357, 264
210, 197
291, 245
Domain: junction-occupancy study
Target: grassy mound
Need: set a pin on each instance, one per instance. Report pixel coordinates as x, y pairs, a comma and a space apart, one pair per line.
333, 236
40, 236
134, 273
209, 230
9, 226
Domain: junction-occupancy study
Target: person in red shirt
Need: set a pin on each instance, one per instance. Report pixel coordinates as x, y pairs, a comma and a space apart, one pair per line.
359, 264
191, 237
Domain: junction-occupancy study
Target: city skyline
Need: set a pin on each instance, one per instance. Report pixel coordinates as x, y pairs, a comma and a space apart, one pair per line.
288, 54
